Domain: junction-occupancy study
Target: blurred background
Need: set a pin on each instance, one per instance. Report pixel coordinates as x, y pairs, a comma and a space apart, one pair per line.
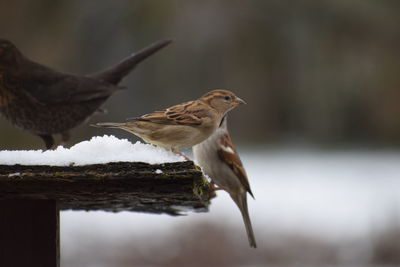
320, 135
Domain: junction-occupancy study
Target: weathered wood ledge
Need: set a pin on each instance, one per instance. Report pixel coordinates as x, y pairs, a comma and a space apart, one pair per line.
169, 188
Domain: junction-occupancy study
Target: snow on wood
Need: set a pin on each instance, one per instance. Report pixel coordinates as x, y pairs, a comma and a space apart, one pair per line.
106, 173
98, 150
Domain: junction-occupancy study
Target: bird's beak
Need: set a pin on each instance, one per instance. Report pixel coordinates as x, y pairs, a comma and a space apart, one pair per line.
239, 101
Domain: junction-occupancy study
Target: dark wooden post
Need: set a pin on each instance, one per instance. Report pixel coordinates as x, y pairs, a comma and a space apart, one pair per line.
31, 197
29, 233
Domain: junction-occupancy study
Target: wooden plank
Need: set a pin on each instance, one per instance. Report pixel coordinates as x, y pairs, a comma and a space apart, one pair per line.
169, 188
29, 233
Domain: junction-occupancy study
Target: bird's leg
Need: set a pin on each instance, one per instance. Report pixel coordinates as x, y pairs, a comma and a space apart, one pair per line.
180, 154
64, 138
48, 140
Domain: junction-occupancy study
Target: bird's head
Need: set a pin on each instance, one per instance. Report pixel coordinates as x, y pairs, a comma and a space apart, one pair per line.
222, 100
9, 54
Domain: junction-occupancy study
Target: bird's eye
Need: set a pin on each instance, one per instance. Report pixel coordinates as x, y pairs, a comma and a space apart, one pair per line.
227, 98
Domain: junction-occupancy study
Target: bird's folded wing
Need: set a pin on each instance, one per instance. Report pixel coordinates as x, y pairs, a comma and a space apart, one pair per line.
61, 88
227, 153
182, 114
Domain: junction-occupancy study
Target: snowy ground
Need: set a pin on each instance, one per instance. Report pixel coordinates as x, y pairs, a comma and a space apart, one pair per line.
331, 195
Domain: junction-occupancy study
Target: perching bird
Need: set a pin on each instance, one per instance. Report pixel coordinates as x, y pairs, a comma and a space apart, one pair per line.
46, 102
220, 161
183, 125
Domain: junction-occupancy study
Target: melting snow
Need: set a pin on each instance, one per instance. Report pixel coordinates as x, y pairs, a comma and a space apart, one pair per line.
99, 149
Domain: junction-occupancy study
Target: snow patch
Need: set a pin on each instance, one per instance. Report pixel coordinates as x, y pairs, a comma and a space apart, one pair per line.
98, 150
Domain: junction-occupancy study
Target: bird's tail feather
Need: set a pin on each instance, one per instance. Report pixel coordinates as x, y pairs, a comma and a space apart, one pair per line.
108, 124
241, 202
115, 73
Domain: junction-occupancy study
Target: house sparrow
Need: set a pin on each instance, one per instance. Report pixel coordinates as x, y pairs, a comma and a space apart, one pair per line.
46, 102
183, 125
220, 161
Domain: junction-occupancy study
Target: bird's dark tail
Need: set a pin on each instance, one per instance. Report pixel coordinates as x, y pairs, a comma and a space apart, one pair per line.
241, 202
117, 72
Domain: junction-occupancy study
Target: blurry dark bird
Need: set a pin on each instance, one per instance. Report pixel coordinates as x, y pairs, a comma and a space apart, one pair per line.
46, 102
220, 161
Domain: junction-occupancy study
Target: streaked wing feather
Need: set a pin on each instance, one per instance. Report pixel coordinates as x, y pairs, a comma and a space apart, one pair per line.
227, 153
176, 115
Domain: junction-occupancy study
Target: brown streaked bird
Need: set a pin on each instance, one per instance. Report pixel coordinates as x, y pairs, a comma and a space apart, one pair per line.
183, 125
46, 102
220, 161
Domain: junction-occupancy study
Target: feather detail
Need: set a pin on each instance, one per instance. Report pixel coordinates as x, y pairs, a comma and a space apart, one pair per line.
227, 153
189, 113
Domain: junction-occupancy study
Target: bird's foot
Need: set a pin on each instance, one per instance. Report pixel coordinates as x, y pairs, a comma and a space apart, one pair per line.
61, 143
48, 140
64, 139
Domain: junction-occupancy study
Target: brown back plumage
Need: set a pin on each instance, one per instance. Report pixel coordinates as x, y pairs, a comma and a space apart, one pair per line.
233, 159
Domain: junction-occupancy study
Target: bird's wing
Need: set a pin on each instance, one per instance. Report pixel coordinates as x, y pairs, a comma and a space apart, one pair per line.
188, 113
227, 153
50, 87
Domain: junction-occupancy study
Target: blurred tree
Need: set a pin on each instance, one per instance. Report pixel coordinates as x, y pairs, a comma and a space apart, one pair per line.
317, 71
